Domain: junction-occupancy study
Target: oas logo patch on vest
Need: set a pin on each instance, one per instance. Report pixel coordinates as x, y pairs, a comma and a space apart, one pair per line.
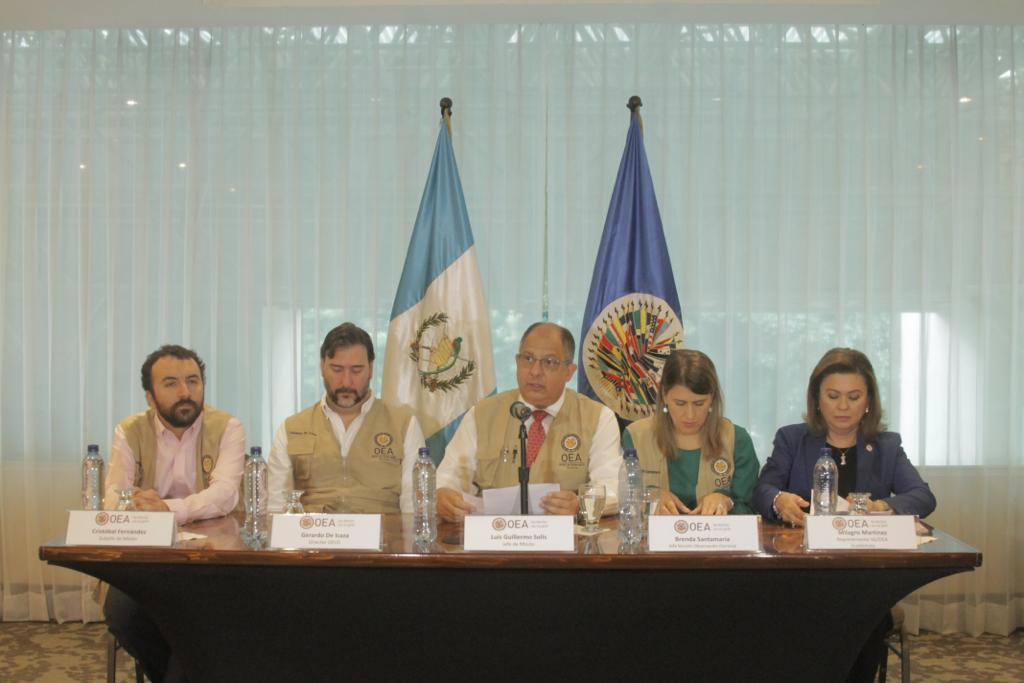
438, 357
720, 466
625, 349
207, 464
383, 439
570, 443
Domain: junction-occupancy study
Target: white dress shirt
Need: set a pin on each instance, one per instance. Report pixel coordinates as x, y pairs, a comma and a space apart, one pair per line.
175, 476
459, 462
280, 465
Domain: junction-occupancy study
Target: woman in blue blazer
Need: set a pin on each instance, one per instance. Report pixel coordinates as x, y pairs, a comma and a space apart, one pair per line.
844, 414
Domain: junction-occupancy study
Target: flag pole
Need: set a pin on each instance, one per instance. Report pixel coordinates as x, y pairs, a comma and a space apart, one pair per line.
446, 112
634, 105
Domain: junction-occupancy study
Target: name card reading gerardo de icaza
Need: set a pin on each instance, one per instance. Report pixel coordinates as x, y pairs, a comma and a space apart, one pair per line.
511, 533
99, 527
325, 532
703, 533
860, 532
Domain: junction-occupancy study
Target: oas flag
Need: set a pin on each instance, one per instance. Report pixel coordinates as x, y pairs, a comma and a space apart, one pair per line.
632, 320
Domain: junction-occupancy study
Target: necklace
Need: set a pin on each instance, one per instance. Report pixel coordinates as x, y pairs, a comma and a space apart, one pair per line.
842, 454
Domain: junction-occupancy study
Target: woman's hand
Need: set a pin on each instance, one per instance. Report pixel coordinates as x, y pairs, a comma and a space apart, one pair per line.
671, 505
790, 508
713, 504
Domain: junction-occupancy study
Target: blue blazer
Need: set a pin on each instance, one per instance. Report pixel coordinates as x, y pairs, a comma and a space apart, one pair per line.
882, 469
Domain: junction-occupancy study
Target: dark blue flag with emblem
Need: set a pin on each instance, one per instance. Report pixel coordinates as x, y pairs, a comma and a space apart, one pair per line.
632, 320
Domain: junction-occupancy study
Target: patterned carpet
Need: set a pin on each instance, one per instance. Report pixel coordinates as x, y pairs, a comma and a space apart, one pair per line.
55, 653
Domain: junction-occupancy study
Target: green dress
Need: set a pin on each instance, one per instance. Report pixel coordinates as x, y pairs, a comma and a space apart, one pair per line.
682, 473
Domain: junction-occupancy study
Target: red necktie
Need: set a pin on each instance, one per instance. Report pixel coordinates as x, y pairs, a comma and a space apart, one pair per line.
535, 437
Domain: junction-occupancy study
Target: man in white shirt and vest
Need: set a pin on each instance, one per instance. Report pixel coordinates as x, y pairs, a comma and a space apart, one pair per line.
571, 439
180, 456
349, 452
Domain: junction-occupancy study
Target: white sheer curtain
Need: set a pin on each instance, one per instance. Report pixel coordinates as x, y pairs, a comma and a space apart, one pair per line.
242, 190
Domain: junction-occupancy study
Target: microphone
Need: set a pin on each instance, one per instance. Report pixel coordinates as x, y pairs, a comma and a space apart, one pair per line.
520, 411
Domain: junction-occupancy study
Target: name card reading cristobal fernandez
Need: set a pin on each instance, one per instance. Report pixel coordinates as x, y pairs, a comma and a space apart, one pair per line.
100, 527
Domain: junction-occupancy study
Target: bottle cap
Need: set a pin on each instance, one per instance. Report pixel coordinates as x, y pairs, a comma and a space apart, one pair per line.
255, 450
629, 453
93, 448
424, 451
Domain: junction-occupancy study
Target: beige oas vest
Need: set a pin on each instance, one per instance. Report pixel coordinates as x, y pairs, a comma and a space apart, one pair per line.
140, 434
715, 471
374, 480
564, 459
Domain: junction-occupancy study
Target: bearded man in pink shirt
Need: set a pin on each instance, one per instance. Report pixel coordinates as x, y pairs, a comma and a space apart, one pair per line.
180, 456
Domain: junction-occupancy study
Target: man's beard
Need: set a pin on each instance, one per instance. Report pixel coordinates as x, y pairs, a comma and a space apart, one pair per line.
177, 419
347, 397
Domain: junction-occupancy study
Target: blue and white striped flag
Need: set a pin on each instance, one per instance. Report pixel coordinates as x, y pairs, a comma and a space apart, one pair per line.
439, 358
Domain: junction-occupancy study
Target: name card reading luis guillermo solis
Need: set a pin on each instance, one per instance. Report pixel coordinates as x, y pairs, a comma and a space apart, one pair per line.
706, 533
512, 533
99, 527
860, 532
325, 532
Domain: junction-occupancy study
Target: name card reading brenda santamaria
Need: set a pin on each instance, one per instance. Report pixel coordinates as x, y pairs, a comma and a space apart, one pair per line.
703, 533
512, 533
99, 527
322, 532
860, 532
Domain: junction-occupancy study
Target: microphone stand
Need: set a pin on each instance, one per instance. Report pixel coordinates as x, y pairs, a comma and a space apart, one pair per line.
524, 472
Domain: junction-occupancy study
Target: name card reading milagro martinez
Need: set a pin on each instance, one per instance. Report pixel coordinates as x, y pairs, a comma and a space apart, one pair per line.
860, 532
325, 532
512, 533
99, 527
703, 533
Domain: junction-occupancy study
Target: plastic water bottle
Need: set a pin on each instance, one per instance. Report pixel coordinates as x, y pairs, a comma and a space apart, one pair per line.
631, 499
92, 479
424, 504
824, 484
256, 494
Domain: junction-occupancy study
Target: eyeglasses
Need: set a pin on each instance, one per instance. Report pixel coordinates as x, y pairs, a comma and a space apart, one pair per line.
547, 363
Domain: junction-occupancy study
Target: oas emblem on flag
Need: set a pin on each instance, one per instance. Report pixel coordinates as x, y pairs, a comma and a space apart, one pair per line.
625, 349
437, 355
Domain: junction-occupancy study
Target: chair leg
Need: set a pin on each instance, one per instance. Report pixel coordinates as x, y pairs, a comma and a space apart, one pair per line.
111, 656
904, 656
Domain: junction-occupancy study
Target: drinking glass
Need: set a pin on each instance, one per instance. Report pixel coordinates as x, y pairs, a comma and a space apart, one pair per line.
294, 504
652, 499
124, 499
859, 503
592, 498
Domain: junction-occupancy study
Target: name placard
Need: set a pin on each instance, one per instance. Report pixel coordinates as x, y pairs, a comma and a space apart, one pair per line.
860, 532
102, 527
325, 532
703, 533
530, 533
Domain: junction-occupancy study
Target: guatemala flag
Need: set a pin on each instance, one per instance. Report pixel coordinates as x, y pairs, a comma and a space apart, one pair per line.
438, 358
632, 320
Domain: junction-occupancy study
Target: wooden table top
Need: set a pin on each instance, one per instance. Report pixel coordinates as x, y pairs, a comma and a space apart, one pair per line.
782, 548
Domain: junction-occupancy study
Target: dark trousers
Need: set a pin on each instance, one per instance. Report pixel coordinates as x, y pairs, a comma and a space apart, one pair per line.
141, 638
870, 658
